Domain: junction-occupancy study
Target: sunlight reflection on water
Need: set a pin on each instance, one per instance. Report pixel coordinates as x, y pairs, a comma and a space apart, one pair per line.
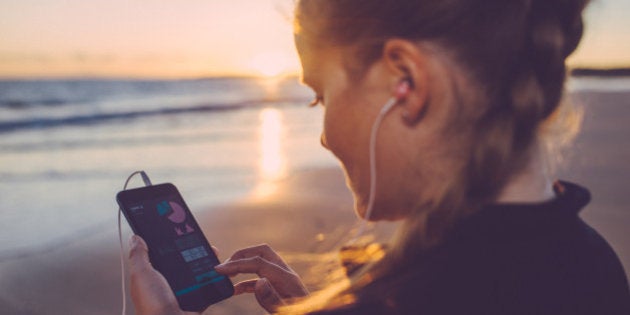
272, 164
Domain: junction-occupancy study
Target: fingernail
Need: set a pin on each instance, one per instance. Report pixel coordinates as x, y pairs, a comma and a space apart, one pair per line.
133, 241
267, 284
219, 266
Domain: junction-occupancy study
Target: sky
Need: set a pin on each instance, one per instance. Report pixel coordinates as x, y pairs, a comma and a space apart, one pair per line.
200, 38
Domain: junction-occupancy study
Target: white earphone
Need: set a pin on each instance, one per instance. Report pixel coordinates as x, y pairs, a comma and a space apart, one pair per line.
401, 91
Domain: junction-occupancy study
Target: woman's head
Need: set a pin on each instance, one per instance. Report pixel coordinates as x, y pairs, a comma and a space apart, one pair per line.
484, 76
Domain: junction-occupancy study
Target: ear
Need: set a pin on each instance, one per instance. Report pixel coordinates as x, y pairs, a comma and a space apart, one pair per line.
406, 61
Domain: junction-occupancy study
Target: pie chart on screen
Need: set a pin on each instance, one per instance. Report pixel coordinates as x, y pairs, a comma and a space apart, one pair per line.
178, 215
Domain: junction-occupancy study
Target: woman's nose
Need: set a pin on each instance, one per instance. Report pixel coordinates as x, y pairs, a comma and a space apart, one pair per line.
322, 139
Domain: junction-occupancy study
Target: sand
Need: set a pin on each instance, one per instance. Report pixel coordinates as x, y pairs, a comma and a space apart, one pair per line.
307, 212
83, 276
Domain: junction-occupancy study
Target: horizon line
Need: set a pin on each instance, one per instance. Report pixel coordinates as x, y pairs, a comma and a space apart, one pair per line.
572, 71
145, 77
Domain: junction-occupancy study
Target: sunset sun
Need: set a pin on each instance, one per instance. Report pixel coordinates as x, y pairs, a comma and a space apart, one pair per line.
273, 64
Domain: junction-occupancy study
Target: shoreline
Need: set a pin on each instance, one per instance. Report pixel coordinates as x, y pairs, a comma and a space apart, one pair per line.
612, 72
25, 252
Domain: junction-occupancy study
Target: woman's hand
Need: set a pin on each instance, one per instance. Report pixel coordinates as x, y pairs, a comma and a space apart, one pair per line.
150, 292
277, 280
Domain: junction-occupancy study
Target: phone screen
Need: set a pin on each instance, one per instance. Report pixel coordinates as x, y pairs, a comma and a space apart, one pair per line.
177, 247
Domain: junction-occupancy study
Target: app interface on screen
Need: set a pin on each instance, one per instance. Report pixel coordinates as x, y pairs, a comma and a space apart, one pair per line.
178, 248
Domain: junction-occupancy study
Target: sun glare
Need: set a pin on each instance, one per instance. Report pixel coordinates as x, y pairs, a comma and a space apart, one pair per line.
273, 64
272, 163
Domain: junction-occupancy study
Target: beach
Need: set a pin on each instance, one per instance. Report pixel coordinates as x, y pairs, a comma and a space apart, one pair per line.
301, 208
83, 277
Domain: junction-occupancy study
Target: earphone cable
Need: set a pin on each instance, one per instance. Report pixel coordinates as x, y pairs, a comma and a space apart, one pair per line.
372, 156
147, 182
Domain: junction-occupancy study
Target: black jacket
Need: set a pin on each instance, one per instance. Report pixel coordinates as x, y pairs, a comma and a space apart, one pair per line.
509, 259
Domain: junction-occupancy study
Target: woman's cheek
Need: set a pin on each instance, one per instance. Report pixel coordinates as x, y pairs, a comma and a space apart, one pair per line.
329, 136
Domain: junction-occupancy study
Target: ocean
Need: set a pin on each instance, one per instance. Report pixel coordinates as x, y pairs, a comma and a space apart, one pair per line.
67, 146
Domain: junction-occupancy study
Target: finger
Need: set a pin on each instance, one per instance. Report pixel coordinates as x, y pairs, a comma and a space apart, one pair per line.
267, 296
262, 250
246, 286
138, 253
258, 265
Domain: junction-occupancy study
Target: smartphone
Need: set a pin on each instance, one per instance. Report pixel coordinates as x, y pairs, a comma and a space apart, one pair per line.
177, 247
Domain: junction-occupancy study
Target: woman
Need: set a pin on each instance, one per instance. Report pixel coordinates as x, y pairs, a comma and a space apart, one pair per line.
471, 91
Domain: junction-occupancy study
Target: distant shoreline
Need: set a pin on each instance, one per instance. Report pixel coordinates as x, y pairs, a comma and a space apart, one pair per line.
610, 72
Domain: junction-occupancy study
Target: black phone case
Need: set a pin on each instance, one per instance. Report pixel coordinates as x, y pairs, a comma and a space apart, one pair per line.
199, 299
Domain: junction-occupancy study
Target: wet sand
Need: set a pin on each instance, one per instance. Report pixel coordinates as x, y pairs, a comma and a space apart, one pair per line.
308, 212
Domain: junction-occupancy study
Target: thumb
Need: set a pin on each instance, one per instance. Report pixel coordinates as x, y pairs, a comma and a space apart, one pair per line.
138, 253
267, 296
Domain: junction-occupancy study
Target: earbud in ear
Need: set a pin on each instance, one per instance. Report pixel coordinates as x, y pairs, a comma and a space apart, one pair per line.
402, 90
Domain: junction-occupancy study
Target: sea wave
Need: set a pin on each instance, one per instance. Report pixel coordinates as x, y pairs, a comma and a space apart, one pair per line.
123, 141
90, 119
16, 104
